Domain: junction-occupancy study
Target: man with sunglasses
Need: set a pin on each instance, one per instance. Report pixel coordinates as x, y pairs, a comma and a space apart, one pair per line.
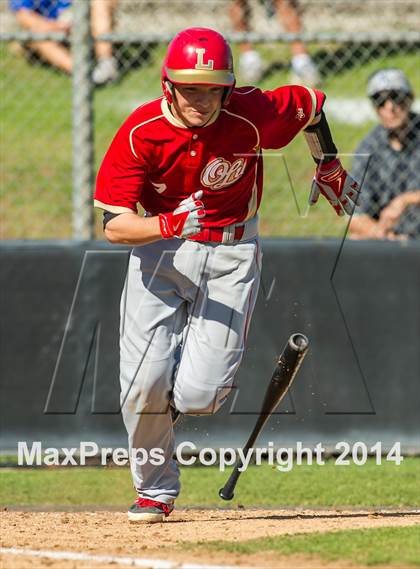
387, 163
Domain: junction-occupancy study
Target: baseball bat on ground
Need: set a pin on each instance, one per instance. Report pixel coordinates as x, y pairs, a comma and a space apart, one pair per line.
286, 370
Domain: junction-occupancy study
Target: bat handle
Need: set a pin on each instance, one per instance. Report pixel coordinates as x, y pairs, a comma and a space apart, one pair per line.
287, 367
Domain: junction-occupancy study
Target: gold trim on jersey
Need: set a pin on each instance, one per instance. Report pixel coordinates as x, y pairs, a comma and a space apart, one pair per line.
112, 208
311, 118
253, 201
252, 204
138, 126
223, 77
169, 116
245, 92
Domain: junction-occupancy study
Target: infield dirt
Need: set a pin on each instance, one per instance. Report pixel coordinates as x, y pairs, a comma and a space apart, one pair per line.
109, 533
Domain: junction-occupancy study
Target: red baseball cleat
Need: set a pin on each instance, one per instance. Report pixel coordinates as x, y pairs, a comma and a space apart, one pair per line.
145, 510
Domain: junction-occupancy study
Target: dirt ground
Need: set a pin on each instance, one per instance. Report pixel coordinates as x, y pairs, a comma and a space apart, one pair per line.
110, 533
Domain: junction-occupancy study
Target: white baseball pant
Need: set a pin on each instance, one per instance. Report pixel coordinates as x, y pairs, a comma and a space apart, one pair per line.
185, 312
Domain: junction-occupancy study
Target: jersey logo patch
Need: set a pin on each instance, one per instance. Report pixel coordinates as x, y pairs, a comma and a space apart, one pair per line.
300, 114
220, 173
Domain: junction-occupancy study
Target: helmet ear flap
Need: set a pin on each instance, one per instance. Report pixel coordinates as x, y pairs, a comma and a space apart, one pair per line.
227, 94
167, 89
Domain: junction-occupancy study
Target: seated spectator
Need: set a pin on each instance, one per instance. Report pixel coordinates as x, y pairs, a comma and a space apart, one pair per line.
251, 65
44, 16
387, 163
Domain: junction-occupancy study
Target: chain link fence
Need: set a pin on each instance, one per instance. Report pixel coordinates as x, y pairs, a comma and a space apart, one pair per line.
48, 121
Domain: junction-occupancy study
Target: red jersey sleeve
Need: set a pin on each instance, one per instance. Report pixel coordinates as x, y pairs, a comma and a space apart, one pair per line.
282, 113
122, 173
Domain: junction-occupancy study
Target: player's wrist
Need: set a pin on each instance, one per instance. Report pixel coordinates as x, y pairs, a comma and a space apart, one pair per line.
165, 225
185, 219
326, 167
319, 139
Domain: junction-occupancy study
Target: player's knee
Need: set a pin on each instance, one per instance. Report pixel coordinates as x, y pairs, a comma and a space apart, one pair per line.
146, 401
150, 393
199, 402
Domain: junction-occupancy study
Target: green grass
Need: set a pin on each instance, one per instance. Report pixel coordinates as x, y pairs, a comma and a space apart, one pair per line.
36, 141
386, 485
381, 486
379, 546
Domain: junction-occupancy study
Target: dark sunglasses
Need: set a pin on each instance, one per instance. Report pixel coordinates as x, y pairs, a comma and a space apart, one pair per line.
397, 97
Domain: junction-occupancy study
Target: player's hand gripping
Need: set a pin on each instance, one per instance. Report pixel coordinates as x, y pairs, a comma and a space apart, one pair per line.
185, 219
333, 182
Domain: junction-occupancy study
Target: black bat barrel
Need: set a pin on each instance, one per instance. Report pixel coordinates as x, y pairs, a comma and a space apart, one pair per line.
286, 370
287, 367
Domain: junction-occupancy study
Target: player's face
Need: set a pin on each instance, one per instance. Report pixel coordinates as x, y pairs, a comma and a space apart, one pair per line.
195, 105
393, 109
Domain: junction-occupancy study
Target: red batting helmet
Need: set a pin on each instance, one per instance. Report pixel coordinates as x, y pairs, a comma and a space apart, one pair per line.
199, 56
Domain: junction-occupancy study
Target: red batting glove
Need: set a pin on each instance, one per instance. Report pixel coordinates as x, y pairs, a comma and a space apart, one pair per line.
333, 182
185, 219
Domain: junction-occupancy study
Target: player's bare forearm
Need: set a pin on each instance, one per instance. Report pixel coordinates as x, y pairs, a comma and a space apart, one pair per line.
185, 220
130, 229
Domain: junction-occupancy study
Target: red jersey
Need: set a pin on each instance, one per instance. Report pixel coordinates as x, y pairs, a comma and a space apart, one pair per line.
157, 161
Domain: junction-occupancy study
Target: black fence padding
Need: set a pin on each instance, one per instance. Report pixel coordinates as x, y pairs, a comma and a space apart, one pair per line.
358, 304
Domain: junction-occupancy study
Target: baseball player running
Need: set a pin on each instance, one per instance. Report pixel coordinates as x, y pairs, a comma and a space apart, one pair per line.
193, 160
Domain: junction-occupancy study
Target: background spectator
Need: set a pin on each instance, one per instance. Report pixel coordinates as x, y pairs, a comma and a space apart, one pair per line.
251, 65
387, 163
43, 16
